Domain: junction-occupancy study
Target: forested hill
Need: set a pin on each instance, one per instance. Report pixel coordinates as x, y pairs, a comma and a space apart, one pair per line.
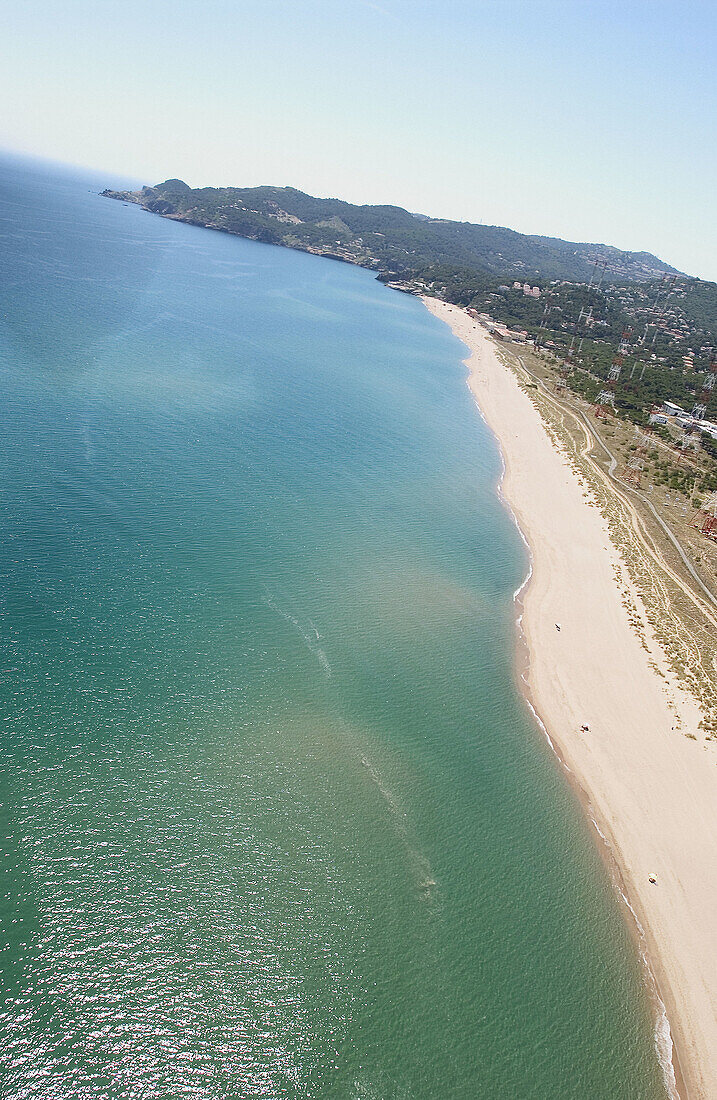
443, 255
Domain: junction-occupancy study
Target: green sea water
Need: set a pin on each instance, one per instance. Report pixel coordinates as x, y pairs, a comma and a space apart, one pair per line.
275, 820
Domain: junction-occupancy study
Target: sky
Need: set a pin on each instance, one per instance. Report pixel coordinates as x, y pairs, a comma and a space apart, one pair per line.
584, 119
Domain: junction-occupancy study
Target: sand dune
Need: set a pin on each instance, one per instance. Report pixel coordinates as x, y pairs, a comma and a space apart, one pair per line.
651, 789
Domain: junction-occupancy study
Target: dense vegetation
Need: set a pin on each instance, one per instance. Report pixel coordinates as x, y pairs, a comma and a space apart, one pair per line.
477, 265
653, 370
396, 243
700, 305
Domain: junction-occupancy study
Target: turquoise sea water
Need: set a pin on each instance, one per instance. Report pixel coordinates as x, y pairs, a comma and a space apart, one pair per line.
275, 822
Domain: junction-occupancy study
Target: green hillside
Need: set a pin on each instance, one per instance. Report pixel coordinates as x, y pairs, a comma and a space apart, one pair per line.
397, 244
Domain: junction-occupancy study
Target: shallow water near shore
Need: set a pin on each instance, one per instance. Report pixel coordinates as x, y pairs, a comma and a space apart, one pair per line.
276, 820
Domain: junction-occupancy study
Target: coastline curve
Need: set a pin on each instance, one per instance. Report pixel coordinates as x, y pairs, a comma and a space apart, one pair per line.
671, 963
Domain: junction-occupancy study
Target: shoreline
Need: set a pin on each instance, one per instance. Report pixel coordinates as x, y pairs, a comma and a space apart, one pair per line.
647, 784
667, 1055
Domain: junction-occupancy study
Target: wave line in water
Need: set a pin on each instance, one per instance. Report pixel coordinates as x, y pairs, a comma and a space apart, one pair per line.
311, 643
419, 864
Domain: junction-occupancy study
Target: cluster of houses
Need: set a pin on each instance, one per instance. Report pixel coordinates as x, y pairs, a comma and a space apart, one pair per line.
528, 290
670, 413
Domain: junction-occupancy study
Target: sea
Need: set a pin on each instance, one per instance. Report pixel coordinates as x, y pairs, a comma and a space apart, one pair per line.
276, 821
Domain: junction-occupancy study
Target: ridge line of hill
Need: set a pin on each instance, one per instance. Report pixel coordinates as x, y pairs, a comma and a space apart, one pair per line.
398, 245
576, 301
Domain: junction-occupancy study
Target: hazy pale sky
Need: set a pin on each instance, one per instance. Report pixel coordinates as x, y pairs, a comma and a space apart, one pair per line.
586, 119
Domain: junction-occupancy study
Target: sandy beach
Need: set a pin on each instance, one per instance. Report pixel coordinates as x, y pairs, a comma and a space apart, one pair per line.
647, 776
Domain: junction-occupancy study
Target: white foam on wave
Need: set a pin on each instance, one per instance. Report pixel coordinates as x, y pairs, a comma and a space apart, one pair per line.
623, 895
419, 864
310, 642
662, 1036
506, 504
664, 1048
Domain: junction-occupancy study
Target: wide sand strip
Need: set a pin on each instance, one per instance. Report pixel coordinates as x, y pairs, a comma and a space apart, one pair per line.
651, 789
